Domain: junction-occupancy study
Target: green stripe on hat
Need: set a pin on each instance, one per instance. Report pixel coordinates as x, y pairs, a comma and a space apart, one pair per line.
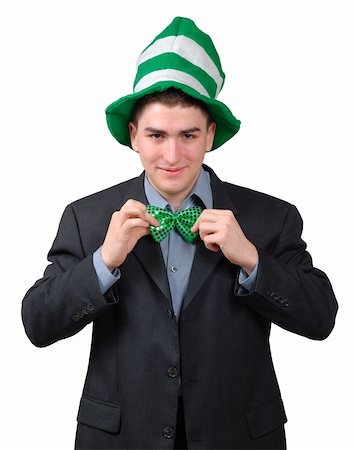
176, 62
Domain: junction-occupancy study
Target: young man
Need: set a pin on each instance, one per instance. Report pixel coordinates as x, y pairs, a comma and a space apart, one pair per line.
181, 274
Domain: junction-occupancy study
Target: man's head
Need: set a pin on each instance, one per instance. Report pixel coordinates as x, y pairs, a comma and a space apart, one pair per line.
184, 58
171, 131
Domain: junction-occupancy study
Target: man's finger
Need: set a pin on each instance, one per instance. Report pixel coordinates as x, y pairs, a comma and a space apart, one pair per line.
212, 216
151, 219
135, 223
132, 211
208, 227
210, 243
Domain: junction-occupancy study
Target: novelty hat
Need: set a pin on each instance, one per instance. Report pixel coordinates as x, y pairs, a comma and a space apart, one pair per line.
183, 57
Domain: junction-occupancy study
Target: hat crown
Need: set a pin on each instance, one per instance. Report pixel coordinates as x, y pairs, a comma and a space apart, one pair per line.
182, 54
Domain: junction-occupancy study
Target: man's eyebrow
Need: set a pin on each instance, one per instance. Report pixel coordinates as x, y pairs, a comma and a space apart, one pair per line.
157, 131
154, 130
190, 130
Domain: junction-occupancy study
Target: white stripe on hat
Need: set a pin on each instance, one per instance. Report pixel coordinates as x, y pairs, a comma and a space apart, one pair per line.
170, 75
186, 48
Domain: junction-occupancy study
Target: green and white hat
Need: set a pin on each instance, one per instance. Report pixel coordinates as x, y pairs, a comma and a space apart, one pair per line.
184, 57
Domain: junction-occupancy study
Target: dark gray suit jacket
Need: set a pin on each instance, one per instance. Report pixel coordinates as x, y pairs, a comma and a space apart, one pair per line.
220, 345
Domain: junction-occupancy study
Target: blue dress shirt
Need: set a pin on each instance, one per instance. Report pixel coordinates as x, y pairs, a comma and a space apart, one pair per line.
177, 253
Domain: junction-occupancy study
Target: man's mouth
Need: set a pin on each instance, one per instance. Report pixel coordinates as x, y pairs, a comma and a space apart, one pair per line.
172, 170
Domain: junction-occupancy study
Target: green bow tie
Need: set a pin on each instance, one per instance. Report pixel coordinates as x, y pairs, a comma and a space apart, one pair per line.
182, 220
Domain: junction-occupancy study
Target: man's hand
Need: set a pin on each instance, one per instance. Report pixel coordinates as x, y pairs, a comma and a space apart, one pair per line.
126, 227
219, 229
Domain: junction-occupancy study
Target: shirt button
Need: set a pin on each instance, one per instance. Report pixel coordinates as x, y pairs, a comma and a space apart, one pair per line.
172, 372
173, 269
168, 432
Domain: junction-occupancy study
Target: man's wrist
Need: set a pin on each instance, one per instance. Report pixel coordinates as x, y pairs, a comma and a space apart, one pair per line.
105, 277
111, 267
249, 266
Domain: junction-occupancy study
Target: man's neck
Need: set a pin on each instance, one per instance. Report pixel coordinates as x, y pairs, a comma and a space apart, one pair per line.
177, 199
202, 189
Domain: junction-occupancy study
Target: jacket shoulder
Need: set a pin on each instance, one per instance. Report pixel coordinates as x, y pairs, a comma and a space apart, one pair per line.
111, 196
249, 198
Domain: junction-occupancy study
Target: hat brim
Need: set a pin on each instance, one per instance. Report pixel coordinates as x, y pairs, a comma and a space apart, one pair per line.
118, 113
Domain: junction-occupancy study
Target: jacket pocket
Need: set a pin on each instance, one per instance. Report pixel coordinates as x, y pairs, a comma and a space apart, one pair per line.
268, 418
101, 415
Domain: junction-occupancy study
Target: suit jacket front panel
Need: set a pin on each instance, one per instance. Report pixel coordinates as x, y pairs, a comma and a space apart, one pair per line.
230, 391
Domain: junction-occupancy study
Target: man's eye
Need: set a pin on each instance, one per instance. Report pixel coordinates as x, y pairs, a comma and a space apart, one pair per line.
155, 135
189, 136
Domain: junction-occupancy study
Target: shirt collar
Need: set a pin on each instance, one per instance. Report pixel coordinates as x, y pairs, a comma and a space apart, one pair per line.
202, 190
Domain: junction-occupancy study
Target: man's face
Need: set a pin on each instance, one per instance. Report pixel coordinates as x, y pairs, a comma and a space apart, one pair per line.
172, 142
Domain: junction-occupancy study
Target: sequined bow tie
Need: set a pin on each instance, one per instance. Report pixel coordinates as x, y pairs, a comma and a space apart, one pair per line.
182, 221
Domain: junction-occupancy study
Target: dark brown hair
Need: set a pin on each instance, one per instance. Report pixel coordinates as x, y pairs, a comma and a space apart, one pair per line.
170, 97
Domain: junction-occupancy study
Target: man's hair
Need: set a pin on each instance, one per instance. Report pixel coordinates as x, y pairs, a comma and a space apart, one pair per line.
170, 97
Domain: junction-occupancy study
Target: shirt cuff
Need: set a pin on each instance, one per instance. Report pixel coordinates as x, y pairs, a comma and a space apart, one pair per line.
248, 282
105, 278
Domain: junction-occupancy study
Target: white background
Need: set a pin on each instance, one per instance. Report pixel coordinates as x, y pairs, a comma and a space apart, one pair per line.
290, 72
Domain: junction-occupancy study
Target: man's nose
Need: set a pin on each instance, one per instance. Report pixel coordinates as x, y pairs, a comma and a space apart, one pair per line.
172, 151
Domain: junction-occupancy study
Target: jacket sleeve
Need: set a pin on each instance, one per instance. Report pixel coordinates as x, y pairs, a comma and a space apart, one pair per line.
68, 297
289, 291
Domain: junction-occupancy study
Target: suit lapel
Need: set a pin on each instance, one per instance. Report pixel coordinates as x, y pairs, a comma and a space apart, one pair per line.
149, 254
146, 250
205, 260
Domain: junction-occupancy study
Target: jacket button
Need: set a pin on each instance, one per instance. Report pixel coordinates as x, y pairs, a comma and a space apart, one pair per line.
284, 302
172, 372
76, 318
168, 432
91, 307
171, 313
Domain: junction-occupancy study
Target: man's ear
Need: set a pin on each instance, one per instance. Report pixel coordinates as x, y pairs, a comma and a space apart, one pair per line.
133, 135
211, 131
